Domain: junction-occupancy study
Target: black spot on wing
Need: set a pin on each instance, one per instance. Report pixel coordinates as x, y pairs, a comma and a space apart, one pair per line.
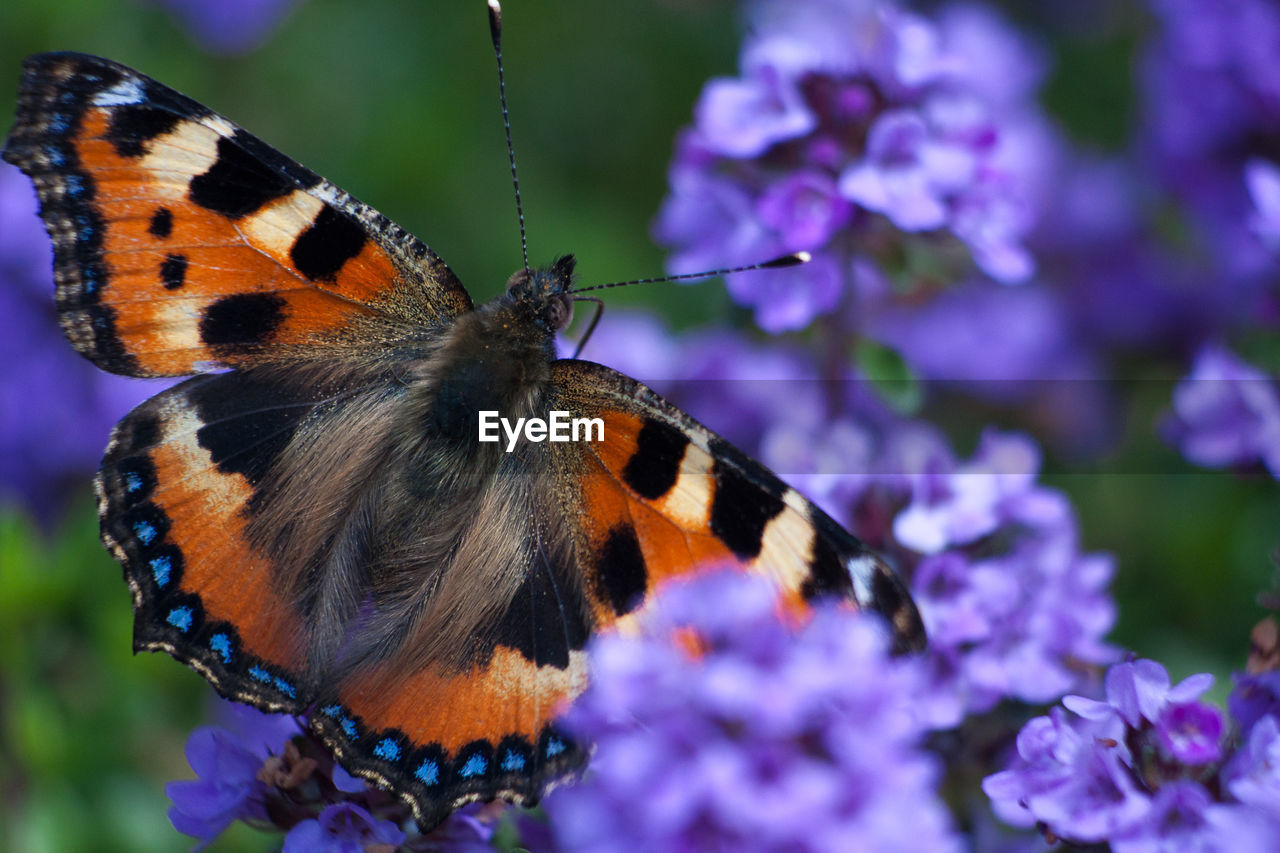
890, 597
238, 182
161, 225
747, 498
173, 271
333, 239
621, 570
134, 125
546, 620
248, 420
828, 567
242, 318
138, 432
270, 158
653, 469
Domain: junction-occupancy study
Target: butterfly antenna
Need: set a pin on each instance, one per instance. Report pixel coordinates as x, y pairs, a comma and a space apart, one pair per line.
792, 260
495, 32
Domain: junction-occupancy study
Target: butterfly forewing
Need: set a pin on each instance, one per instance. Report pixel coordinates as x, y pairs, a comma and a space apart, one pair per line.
183, 243
662, 495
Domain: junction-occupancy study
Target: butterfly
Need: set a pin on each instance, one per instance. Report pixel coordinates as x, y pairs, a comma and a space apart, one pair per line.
311, 521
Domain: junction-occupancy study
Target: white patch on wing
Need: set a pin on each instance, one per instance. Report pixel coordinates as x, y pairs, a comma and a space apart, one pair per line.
276, 226
862, 569
787, 544
175, 158
175, 326
181, 427
688, 503
127, 91
218, 125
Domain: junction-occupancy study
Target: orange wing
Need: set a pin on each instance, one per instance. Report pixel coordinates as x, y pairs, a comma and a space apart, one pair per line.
662, 495
174, 495
183, 244
441, 737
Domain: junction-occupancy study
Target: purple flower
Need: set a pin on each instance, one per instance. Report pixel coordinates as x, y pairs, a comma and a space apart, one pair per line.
227, 763
708, 218
269, 771
987, 335
1254, 697
963, 504
790, 297
1070, 774
1111, 282
1212, 101
228, 26
1013, 621
804, 209
56, 409
343, 828
1226, 412
1139, 691
1253, 776
905, 174
1191, 733
1263, 181
1184, 817
756, 734
744, 117
857, 131
1142, 770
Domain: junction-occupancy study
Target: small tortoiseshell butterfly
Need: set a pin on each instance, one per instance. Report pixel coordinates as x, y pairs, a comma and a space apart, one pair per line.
311, 522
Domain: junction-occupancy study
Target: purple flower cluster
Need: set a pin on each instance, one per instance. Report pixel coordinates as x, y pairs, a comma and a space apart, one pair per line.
56, 409
1146, 769
857, 131
1212, 98
264, 770
1012, 606
1014, 609
1226, 413
722, 725
228, 26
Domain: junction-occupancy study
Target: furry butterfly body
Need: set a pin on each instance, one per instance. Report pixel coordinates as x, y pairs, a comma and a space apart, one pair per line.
310, 521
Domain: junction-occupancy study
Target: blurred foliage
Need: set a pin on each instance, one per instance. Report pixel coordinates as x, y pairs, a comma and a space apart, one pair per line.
396, 100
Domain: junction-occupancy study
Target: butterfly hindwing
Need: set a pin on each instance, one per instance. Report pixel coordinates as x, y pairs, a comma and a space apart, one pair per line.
444, 702
442, 737
183, 243
174, 496
463, 707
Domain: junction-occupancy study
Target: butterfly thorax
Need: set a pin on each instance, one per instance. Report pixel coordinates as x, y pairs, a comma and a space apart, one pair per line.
424, 450
496, 358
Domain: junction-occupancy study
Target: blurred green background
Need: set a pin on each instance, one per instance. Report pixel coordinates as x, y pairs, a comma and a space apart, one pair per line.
396, 101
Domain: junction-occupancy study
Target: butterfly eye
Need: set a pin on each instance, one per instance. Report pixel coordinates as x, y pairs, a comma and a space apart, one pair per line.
560, 313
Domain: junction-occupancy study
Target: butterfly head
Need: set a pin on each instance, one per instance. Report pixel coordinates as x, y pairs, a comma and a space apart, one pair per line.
545, 293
